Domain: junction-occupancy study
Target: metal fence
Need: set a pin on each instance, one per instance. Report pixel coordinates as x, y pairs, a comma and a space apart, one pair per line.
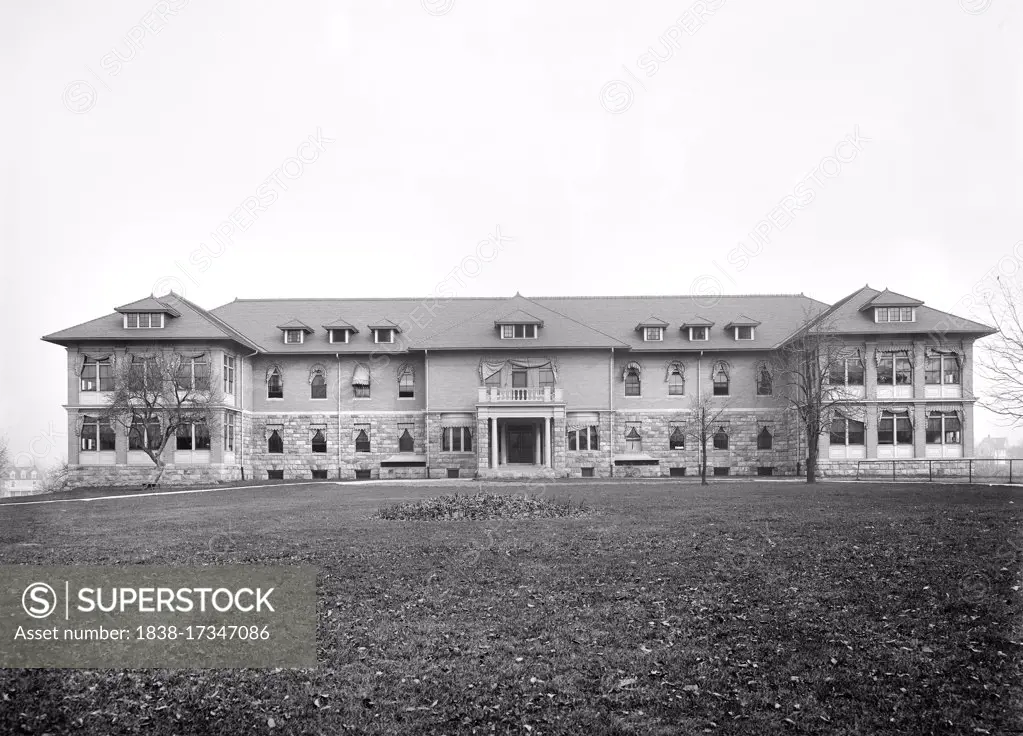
981, 470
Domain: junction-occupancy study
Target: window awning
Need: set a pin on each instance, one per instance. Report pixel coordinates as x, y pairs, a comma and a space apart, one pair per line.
582, 420
360, 377
457, 420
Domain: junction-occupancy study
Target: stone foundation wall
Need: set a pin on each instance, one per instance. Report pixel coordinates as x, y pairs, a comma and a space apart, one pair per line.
132, 475
298, 460
742, 458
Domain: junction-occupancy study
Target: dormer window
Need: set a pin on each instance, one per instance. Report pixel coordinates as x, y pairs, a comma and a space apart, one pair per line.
294, 332
143, 320
699, 334
653, 334
743, 328
894, 314
294, 337
384, 335
339, 335
518, 332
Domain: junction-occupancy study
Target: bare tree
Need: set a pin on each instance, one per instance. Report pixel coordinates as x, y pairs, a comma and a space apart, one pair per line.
1002, 361
157, 394
812, 361
704, 417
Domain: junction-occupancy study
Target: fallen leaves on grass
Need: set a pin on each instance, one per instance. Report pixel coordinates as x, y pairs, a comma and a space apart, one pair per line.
481, 506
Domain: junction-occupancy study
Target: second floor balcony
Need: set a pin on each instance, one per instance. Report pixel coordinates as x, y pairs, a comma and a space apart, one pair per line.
533, 394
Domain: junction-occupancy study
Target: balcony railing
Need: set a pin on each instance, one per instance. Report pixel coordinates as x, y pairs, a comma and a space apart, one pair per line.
536, 394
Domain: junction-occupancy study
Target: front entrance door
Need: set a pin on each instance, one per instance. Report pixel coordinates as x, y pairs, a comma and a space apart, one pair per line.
520, 443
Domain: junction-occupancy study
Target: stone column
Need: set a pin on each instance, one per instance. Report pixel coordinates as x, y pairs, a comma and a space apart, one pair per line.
503, 458
548, 425
493, 442
536, 444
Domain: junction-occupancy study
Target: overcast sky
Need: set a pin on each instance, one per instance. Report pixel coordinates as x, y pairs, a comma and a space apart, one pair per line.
137, 130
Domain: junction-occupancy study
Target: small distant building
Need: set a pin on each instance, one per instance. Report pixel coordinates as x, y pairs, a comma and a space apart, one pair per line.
21, 479
996, 447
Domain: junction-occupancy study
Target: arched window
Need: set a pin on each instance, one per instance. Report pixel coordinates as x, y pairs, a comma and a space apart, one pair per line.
318, 385
632, 380
362, 441
274, 384
676, 380
721, 439
274, 443
405, 442
765, 383
720, 378
677, 441
406, 382
319, 441
765, 440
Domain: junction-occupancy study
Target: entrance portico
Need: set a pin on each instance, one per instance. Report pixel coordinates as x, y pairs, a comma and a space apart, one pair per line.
520, 441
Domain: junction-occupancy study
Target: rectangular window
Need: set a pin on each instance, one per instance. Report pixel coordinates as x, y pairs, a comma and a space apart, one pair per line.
743, 333
97, 375
719, 470
698, 334
848, 432
229, 375
141, 436
97, 435
494, 380
293, 337
854, 371
942, 370
195, 436
361, 392
903, 371
881, 314
456, 439
885, 371
653, 334
520, 379
320, 474
547, 377
275, 475
229, 431
907, 314
582, 439
384, 336
143, 320
339, 336
944, 429
894, 429
518, 332
192, 374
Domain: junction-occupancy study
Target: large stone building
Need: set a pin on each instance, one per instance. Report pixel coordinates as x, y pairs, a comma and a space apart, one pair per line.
558, 386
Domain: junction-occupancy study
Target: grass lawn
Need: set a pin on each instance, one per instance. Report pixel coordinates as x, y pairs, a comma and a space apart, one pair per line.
740, 608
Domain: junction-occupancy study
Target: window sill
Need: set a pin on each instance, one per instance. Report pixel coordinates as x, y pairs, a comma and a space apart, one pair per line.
406, 398
270, 398
322, 398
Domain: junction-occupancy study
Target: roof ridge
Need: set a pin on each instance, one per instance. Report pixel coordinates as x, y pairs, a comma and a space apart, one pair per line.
665, 296
216, 321
578, 322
